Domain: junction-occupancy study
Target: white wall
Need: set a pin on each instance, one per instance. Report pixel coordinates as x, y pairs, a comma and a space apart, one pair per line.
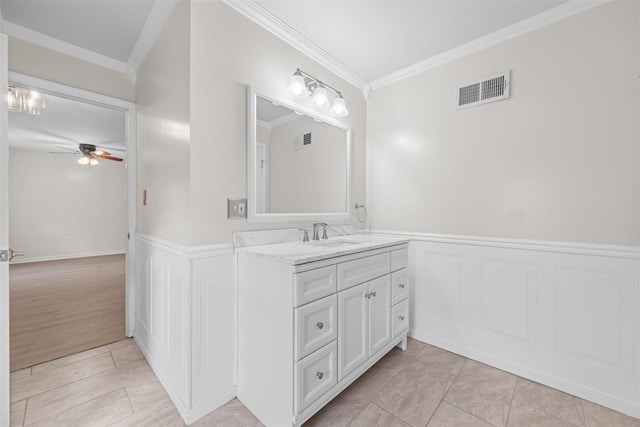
162, 98
229, 51
558, 161
52, 198
37, 61
311, 179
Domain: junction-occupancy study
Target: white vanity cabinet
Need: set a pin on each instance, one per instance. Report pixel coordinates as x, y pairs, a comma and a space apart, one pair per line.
308, 327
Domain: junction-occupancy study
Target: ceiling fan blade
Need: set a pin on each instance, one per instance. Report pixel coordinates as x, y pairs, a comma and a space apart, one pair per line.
100, 153
66, 148
104, 156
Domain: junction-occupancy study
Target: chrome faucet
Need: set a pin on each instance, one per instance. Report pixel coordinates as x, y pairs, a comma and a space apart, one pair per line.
318, 225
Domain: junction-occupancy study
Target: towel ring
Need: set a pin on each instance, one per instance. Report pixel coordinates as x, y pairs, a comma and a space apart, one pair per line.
366, 214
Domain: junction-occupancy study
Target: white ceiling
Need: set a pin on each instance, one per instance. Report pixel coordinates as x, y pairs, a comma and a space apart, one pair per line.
367, 42
375, 38
64, 124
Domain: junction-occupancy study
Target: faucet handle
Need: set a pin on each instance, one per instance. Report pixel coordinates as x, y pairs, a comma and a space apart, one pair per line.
305, 237
324, 231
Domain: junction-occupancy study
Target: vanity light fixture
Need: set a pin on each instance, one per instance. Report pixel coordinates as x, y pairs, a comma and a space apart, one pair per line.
302, 85
24, 101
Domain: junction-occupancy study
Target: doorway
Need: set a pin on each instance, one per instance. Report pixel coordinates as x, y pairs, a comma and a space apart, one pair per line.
127, 110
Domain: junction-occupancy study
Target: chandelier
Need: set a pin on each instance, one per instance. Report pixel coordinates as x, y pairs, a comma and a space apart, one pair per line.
22, 100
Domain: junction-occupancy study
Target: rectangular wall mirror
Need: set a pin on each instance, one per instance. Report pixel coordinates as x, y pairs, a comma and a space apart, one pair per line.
298, 162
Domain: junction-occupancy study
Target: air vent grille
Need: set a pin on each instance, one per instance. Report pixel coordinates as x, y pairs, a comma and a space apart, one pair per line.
306, 139
301, 141
489, 89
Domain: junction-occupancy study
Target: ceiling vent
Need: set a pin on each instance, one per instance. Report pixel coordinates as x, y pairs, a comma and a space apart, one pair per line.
489, 89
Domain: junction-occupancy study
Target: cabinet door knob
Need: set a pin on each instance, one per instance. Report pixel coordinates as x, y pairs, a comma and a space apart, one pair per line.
401, 285
401, 317
367, 295
373, 294
320, 325
319, 375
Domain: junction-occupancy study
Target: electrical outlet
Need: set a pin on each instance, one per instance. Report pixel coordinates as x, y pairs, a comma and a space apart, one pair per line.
236, 208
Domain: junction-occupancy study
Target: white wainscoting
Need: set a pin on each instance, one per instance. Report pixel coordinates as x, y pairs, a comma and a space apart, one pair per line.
184, 321
565, 315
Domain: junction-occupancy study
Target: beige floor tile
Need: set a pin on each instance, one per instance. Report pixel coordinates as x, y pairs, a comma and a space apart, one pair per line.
365, 388
550, 401
449, 416
163, 413
523, 415
49, 380
17, 413
63, 361
337, 413
599, 416
374, 416
101, 411
233, 414
392, 363
146, 393
55, 401
125, 351
414, 394
21, 374
413, 347
441, 359
483, 391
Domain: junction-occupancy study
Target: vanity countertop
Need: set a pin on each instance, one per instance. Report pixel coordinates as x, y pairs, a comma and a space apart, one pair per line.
298, 252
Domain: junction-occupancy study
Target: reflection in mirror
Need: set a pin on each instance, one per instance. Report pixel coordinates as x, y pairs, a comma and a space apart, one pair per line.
300, 163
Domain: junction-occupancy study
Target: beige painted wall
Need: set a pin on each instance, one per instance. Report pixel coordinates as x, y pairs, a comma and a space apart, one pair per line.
52, 198
227, 52
558, 161
311, 179
37, 61
162, 97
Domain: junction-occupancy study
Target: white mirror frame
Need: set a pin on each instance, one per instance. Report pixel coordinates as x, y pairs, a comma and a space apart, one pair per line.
252, 215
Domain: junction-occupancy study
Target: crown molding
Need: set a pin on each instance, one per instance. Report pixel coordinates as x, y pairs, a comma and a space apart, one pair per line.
277, 27
543, 19
60, 46
158, 17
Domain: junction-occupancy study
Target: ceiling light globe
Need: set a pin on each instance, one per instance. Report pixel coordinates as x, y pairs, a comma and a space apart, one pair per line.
297, 86
84, 161
93, 161
320, 98
339, 107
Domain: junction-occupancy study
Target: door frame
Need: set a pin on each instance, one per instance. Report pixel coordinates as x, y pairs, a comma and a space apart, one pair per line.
129, 108
5, 405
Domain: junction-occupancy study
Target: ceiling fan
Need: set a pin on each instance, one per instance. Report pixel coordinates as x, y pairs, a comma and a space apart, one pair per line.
89, 151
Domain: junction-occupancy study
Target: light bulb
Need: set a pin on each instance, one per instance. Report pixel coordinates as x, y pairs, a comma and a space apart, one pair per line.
339, 107
84, 161
320, 98
93, 161
297, 86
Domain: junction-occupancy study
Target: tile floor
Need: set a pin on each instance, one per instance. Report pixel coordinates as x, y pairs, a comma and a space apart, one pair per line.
425, 386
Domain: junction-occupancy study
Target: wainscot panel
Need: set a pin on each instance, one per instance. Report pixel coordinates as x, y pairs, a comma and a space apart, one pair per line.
562, 314
184, 321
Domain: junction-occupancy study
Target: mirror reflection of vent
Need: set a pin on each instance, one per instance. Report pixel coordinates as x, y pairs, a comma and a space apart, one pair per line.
302, 141
489, 89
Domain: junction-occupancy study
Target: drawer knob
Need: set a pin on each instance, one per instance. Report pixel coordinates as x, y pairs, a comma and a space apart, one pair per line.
319, 375
401, 285
320, 325
373, 294
401, 317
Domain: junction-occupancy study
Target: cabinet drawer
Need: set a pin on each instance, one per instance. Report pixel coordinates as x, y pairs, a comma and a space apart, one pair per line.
315, 325
399, 317
399, 259
399, 286
313, 284
314, 376
361, 270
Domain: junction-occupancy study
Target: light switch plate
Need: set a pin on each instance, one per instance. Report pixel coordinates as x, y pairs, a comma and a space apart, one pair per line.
236, 208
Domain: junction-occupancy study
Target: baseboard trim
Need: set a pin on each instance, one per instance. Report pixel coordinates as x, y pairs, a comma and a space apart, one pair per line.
594, 249
210, 406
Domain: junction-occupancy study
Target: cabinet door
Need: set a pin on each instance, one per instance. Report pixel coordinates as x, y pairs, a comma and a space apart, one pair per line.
353, 313
379, 313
